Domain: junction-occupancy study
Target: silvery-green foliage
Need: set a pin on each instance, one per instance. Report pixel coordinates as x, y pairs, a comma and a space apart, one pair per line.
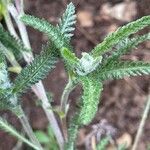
7, 99
120, 34
87, 64
90, 99
66, 23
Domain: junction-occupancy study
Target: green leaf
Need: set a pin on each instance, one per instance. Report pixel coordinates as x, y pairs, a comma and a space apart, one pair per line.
118, 70
7, 100
67, 21
69, 57
11, 43
127, 45
36, 71
103, 143
42, 137
91, 96
42, 25
12, 131
120, 34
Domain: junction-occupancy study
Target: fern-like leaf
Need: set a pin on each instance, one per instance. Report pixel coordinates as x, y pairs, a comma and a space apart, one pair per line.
44, 26
5, 126
120, 34
11, 43
67, 21
36, 71
91, 96
7, 100
127, 45
118, 70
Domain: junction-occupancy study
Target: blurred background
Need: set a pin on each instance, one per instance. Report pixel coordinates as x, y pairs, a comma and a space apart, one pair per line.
122, 101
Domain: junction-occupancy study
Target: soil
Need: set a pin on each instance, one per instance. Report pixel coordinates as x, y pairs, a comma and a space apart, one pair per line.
122, 101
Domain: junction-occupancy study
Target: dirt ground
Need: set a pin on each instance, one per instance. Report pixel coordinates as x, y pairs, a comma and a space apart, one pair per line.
122, 101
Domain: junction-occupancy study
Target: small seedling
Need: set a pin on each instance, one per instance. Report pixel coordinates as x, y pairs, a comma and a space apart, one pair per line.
90, 71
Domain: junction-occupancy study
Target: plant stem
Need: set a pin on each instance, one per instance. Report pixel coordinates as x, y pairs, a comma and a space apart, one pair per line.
26, 126
39, 89
11, 130
142, 123
9, 24
49, 113
64, 99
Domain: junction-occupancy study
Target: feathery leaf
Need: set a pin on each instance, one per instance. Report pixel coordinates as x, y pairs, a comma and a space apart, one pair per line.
44, 26
36, 71
7, 100
67, 21
91, 95
127, 45
120, 34
12, 131
13, 44
118, 70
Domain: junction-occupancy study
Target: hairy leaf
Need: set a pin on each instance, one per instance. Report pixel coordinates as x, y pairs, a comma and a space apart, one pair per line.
36, 71
13, 44
44, 26
69, 57
91, 95
127, 45
12, 131
118, 70
7, 100
67, 21
120, 34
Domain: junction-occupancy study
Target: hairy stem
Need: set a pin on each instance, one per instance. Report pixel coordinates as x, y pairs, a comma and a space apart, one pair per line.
26, 126
39, 88
142, 123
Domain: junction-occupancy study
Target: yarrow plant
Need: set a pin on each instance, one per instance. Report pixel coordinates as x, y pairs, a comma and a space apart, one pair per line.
90, 71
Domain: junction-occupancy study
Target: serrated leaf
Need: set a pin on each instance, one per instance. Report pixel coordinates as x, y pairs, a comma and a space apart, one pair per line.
36, 71
44, 26
118, 70
7, 100
69, 57
11, 43
127, 45
91, 95
67, 21
120, 34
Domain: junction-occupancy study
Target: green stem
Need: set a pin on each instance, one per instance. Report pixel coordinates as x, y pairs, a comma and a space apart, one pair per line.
64, 99
142, 123
28, 129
